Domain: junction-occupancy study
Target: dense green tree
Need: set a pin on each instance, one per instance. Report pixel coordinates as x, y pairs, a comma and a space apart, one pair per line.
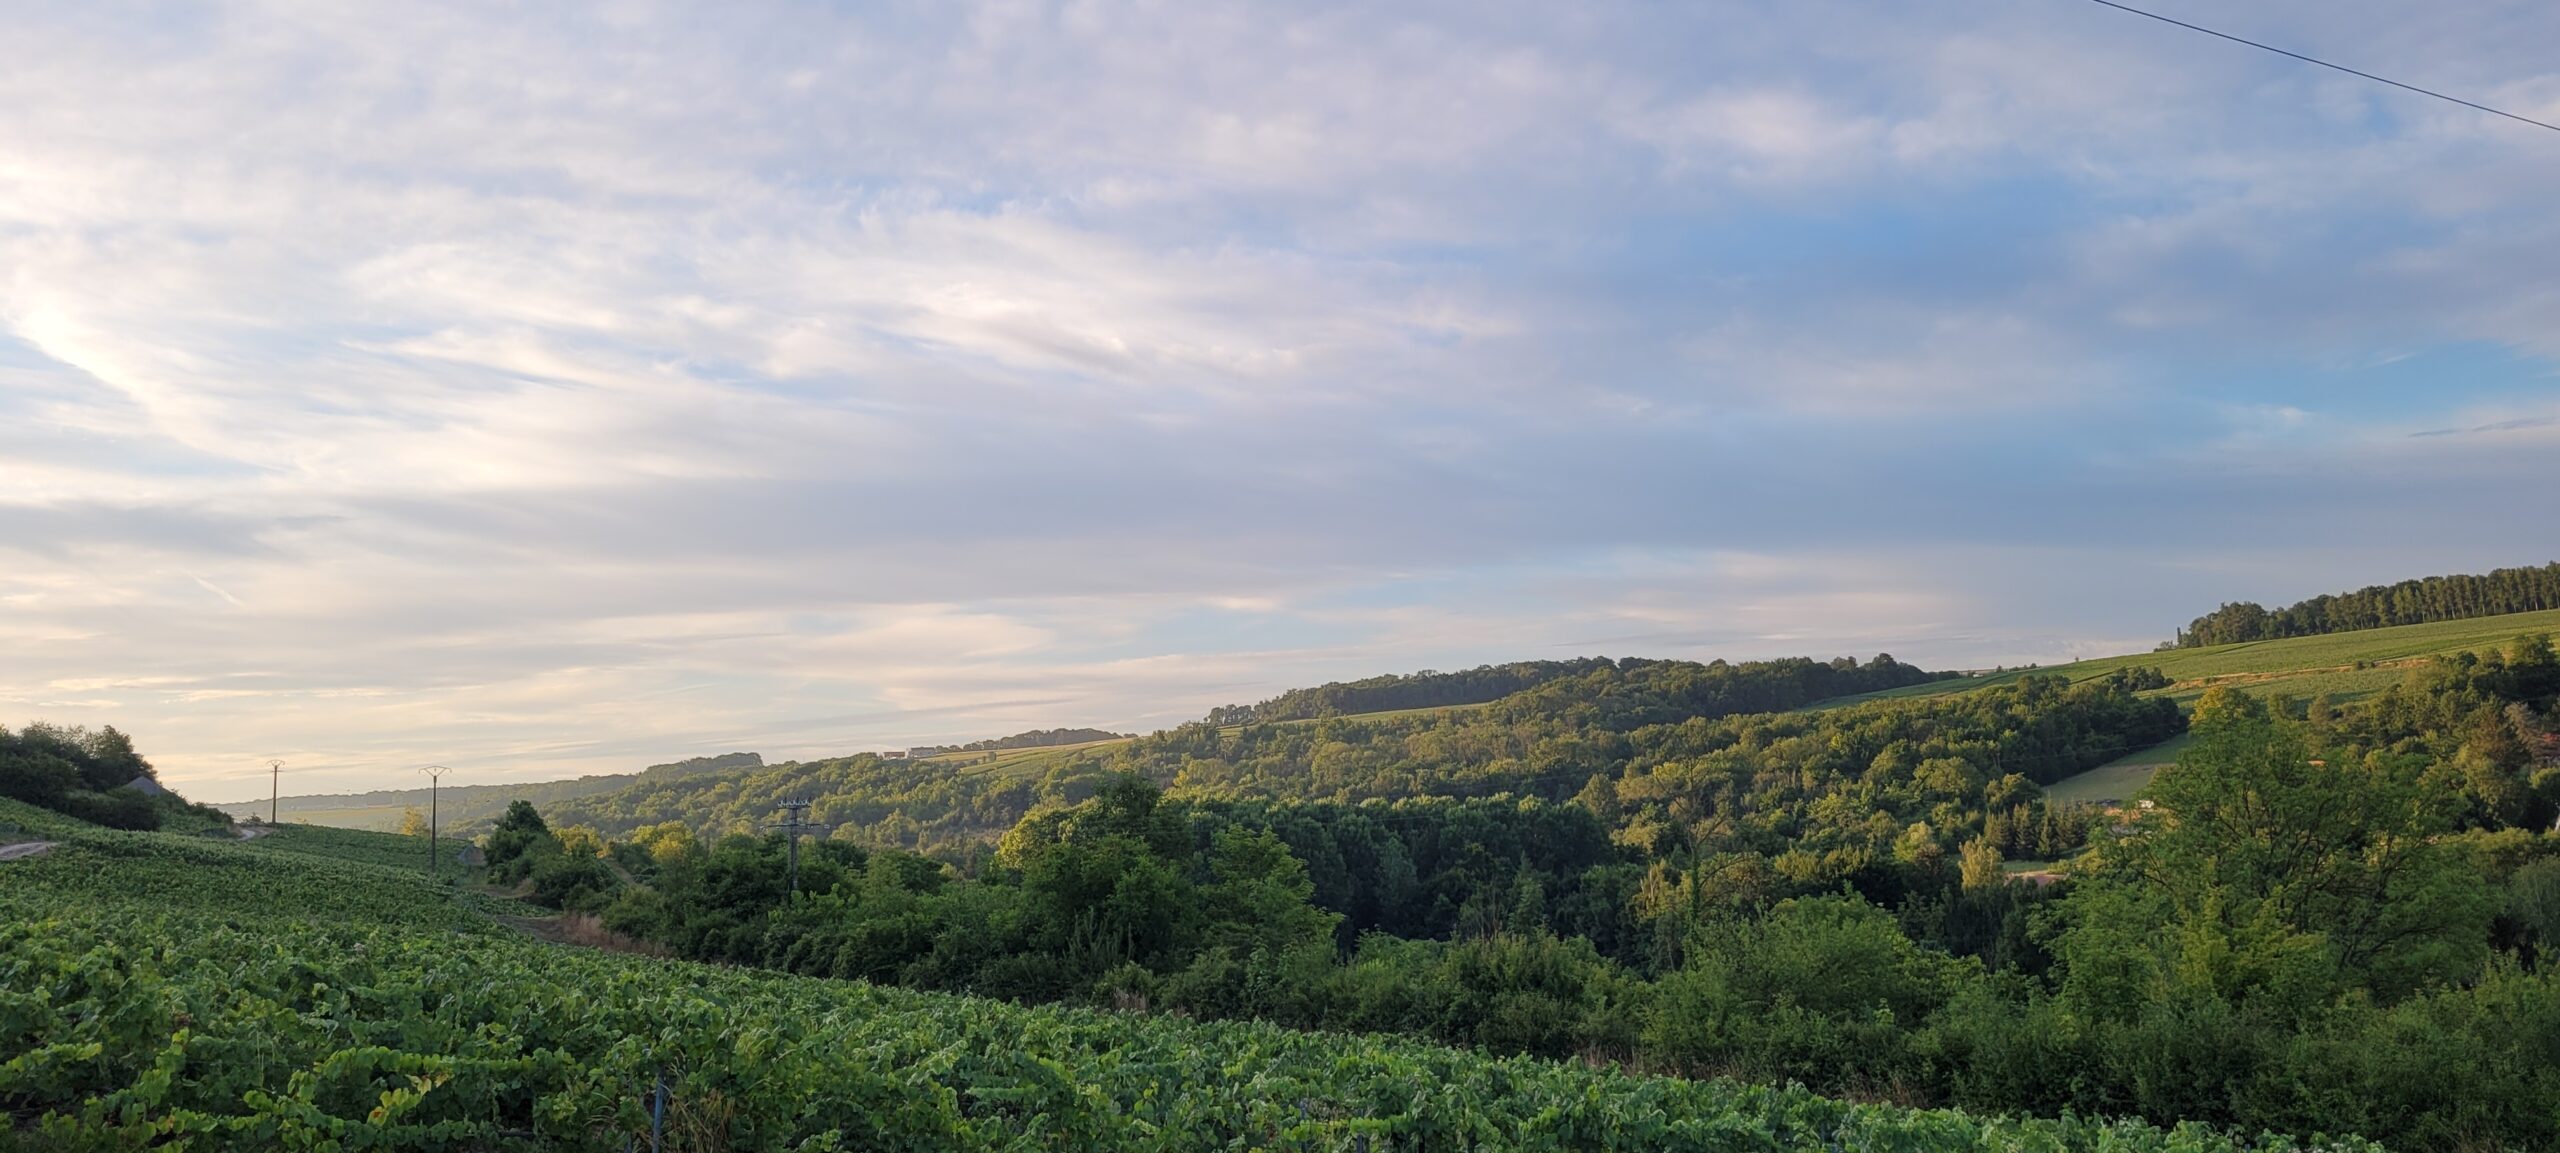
2263, 870
520, 840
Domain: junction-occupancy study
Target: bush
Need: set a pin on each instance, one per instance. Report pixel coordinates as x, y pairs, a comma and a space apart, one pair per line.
36, 777
1821, 990
570, 881
121, 809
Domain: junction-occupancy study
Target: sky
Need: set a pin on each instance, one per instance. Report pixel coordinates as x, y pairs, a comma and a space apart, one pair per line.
549, 389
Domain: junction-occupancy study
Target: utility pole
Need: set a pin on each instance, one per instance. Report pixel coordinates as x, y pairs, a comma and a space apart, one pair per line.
275, 772
435, 774
791, 830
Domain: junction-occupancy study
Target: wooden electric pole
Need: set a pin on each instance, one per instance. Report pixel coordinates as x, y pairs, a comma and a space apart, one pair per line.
275, 772
435, 774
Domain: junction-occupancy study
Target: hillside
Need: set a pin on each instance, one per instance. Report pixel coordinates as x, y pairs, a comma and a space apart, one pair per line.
951, 802
186, 992
961, 797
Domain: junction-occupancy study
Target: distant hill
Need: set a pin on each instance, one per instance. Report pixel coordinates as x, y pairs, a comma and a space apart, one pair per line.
463, 806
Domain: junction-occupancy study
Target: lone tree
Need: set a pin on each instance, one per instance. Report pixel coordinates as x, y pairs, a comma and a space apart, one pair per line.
521, 836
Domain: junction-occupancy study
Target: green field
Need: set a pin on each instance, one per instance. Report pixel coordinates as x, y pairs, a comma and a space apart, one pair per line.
363, 846
2117, 780
2301, 666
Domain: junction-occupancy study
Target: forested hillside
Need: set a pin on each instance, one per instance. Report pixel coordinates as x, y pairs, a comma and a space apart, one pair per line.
1544, 740
2410, 602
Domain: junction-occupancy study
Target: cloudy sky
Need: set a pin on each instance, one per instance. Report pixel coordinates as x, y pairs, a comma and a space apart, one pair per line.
544, 392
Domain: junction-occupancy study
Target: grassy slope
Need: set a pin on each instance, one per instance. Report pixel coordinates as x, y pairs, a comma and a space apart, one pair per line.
363, 846
2119, 779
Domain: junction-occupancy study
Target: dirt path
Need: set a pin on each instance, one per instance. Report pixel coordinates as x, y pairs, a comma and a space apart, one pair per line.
25, 850
252, 832
584, 930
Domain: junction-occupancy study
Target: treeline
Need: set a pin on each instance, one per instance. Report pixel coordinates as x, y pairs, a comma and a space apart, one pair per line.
1428, 689
1794, 681
1635, 692
94, 775
2317, 928
2410, 602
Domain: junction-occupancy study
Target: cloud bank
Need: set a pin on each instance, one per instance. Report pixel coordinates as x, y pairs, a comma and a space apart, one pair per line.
542, 392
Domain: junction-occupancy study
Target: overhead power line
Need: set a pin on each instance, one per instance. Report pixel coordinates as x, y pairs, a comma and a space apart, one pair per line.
2326, 64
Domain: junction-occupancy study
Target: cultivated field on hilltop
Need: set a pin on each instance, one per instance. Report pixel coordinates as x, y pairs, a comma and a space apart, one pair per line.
2345, 666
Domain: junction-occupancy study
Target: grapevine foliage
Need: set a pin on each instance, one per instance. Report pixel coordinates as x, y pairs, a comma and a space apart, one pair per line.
157, 992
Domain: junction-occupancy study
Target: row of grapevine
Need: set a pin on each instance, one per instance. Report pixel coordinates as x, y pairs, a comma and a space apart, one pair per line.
146, 1001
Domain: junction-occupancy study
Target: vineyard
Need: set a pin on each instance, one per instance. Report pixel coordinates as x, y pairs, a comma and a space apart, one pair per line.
362, 846
169, 992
